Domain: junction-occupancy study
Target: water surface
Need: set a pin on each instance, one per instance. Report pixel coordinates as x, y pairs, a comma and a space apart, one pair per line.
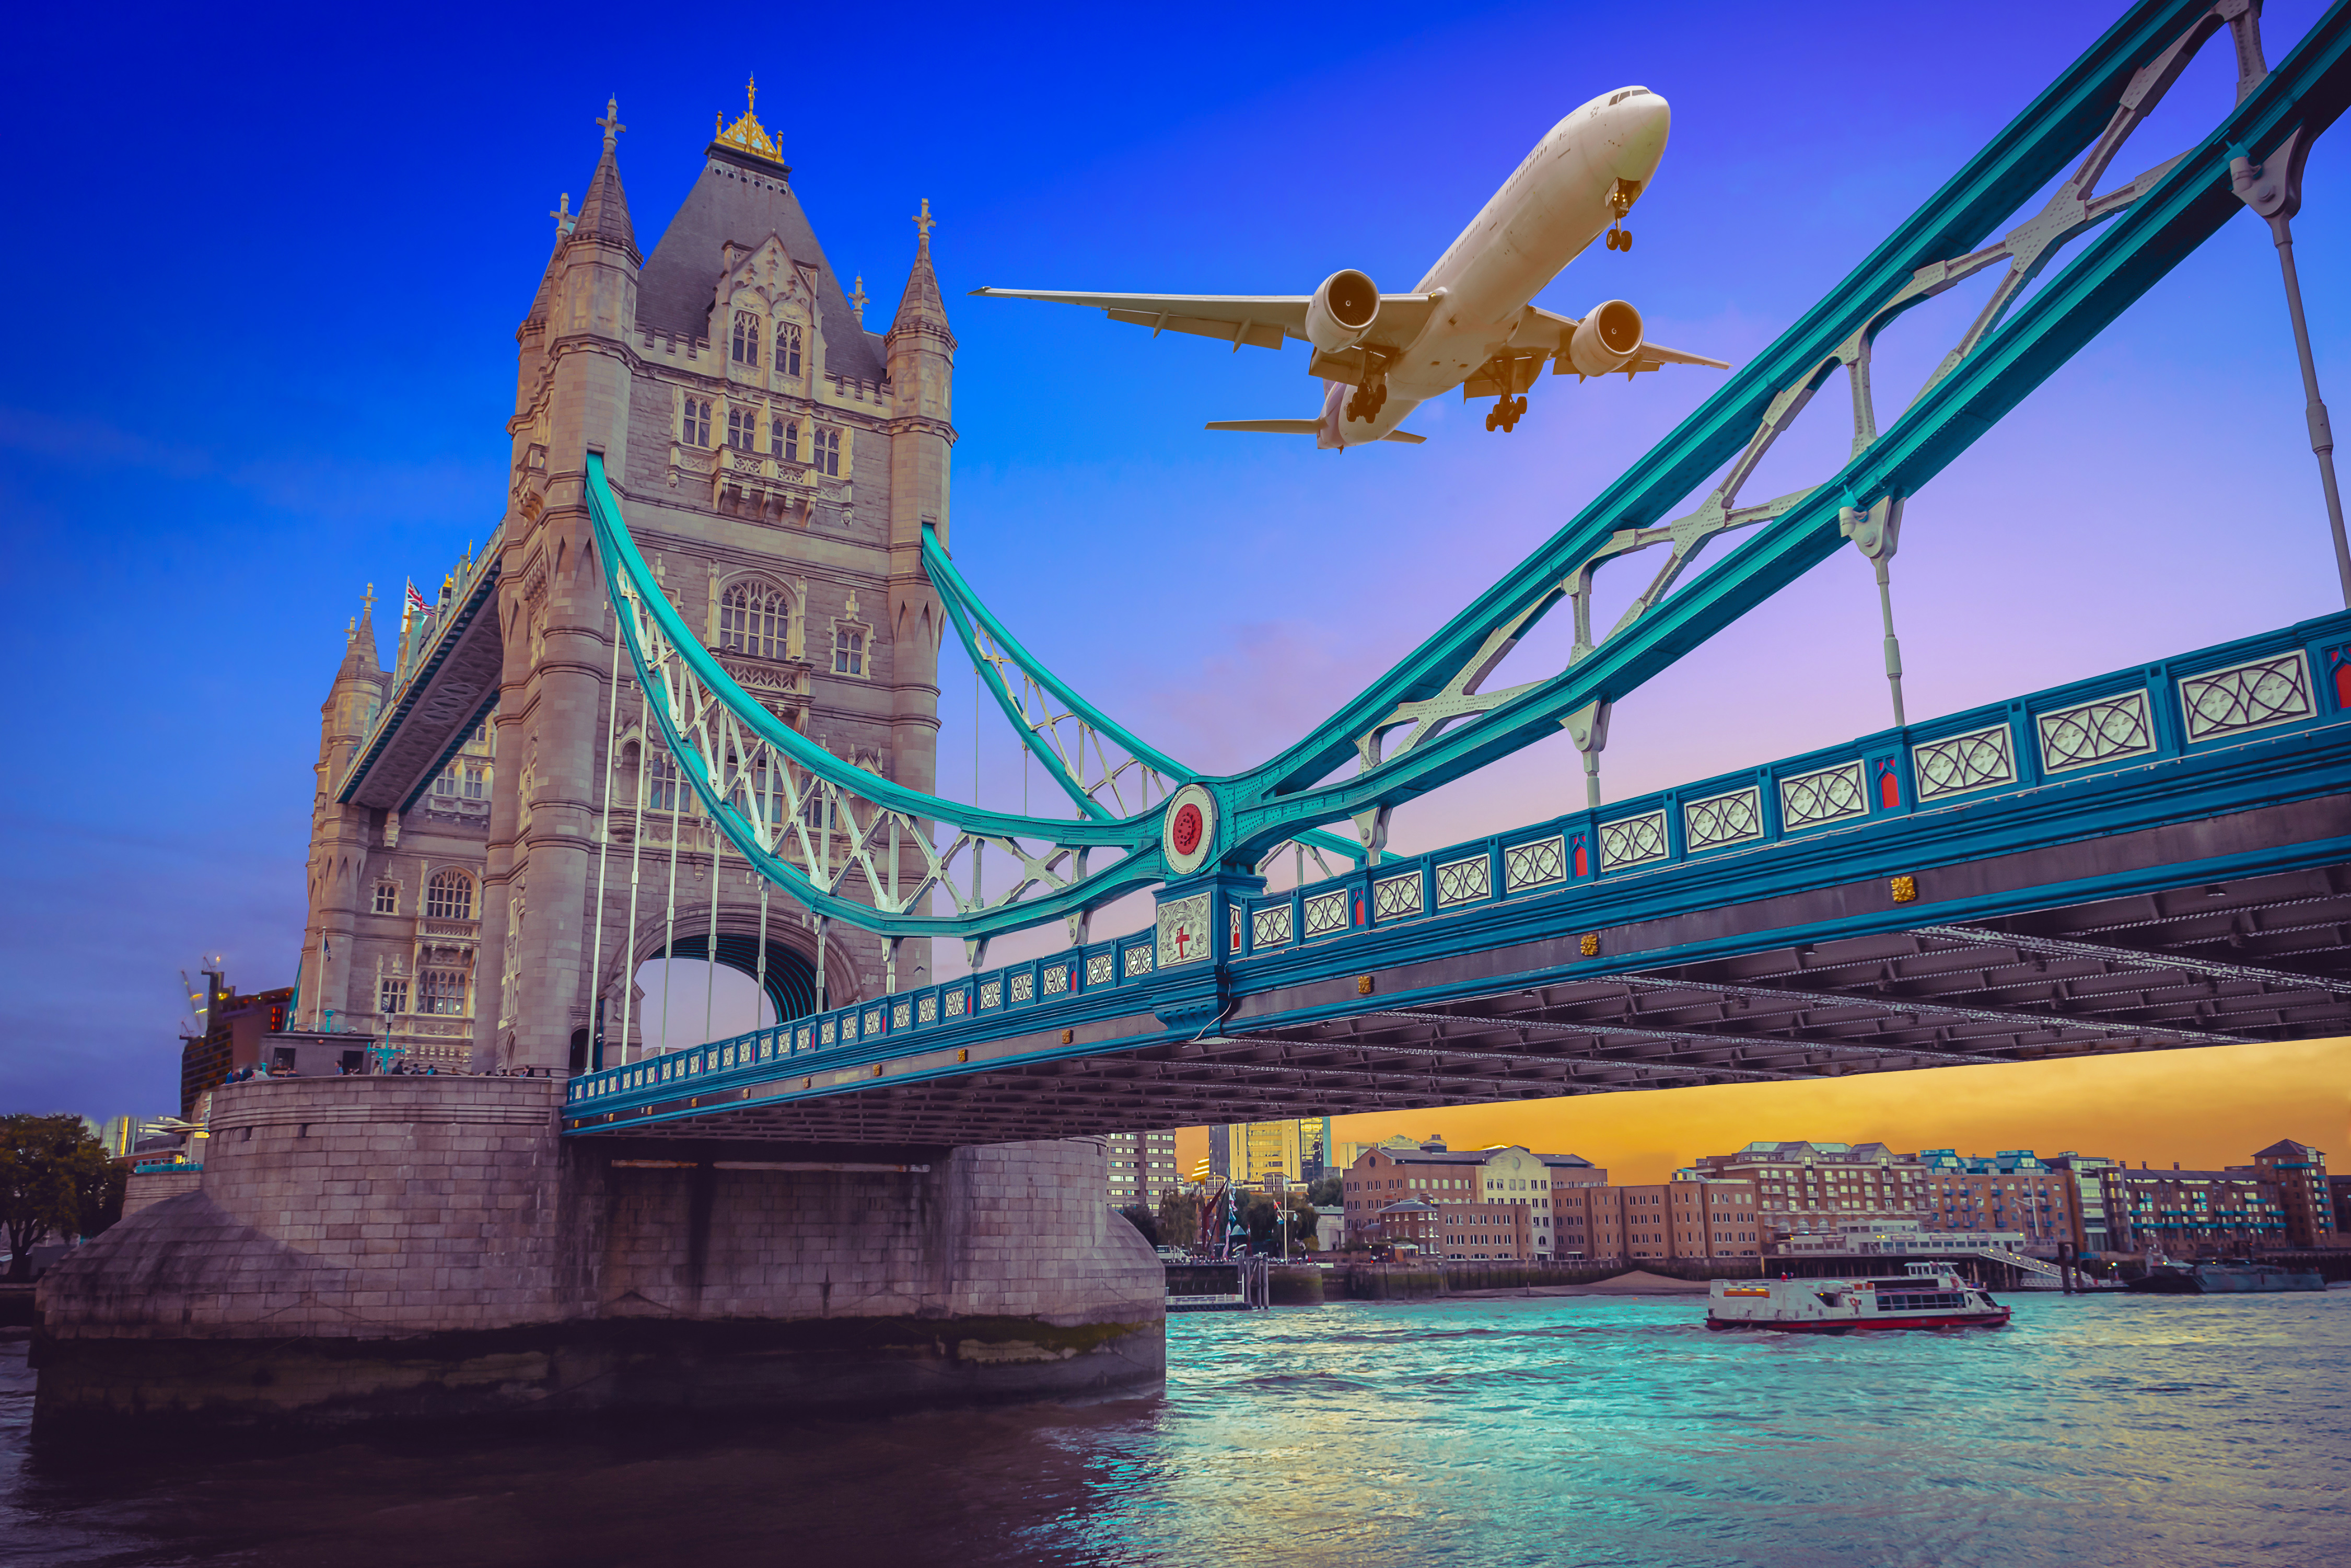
2150, 1432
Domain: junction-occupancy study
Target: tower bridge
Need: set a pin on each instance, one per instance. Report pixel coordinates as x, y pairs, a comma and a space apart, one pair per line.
685, 699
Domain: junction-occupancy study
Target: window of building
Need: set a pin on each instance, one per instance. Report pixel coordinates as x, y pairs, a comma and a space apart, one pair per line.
744, 347
825, 451
441, 991
391, 996
449, 896
743, 428
849, 652
665, 791
788, 349
447, 783
387, 898
784, 439
755, 618
696, 425
477, 781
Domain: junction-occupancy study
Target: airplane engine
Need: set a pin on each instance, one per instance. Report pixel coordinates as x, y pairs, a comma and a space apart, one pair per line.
1343, 310
1608, 337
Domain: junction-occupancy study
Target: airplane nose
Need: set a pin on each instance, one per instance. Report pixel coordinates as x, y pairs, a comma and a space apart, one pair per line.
1642, 122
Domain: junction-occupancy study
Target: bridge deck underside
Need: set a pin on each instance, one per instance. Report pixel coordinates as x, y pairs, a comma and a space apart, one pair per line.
2186, 965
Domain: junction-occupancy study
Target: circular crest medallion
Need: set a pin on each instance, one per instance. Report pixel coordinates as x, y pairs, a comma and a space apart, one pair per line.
1188, 834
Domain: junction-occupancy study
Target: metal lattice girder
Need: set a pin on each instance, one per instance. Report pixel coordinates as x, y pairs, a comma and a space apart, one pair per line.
2154, 221
1066, 732
1446, 726
2107, 957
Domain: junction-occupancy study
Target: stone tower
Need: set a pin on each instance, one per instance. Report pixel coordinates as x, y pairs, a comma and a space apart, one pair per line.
777, 464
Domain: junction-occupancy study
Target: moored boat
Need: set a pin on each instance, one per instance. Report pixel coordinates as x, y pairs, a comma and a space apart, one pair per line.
1926, 1298
2227, 1277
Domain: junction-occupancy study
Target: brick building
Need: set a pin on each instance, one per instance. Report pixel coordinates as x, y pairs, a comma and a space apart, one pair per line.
1488, 1204
2193, 1213
1827, 1188
1515, 1205
2299, 1173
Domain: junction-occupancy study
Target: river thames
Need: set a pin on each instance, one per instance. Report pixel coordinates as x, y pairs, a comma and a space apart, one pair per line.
2154, 1432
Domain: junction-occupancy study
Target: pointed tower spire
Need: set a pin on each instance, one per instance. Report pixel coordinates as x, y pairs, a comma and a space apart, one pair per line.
603, 217
359, 652
921, 301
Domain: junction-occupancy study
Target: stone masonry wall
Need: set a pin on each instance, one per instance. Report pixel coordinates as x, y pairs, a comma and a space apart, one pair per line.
1017, 1229
338, 1205
373, 1248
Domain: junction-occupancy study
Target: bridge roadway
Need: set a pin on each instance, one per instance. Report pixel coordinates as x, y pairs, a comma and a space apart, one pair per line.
2155, 859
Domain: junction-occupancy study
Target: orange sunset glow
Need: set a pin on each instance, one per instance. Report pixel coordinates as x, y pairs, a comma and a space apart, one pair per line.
2206, 1109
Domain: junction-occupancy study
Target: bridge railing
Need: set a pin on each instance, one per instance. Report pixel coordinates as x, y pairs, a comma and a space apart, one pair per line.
2242, 693
2270, 685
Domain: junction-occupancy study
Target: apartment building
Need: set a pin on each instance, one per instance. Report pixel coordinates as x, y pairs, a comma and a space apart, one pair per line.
2014, 1190
1490, 1205
2299, 1173
2193, 1213
1142, 1167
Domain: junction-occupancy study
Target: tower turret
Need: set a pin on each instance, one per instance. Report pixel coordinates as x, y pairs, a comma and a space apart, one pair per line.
921, 351
339, 833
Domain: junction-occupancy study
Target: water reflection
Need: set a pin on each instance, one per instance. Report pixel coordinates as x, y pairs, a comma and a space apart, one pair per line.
1582, 1430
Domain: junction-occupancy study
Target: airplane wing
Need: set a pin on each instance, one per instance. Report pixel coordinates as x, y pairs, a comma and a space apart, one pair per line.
1259, 320
1298, 427
1546, 329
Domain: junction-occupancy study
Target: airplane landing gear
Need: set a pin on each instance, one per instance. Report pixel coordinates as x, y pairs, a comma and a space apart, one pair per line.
1367, 401
1504, 415
1620, 239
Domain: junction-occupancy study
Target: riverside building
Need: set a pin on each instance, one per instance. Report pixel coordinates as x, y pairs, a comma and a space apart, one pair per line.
1142, 1167
1490, 1205
2299, 1173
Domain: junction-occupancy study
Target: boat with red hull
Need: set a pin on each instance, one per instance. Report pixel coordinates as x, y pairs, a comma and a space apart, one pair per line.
1927, 1297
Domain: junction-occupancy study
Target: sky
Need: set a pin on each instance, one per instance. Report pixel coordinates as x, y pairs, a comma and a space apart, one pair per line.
268, 265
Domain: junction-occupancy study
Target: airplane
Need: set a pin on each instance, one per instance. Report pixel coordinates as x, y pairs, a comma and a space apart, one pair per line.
1470, 322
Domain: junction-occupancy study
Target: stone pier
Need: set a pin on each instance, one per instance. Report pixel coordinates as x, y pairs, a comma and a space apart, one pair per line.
362, 1249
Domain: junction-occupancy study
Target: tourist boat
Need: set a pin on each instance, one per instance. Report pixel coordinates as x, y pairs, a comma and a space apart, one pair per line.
2224, 1278
1926, 1297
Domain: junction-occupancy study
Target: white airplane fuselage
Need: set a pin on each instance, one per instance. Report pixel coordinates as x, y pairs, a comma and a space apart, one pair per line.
1551, 208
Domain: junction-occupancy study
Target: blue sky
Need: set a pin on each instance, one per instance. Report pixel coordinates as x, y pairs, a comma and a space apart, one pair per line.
268, 265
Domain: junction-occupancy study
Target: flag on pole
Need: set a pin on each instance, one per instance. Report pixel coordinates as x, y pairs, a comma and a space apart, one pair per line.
416, 600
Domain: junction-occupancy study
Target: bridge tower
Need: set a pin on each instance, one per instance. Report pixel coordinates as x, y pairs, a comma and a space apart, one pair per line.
781, 463
784, 461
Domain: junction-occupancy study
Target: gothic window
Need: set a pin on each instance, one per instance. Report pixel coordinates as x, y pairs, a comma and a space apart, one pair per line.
755, 619
441, 991
695, 425
665, 790
387, 898
788, 349
745, 348
447, 783
819, 812
849, 651
825, 449
449, 896
391, 996
477, 781
743, 428
788, 439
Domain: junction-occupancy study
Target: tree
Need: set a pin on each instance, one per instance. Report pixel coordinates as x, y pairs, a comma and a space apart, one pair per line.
1179, 1218
1143, 1220
55, 1179
1329, 1192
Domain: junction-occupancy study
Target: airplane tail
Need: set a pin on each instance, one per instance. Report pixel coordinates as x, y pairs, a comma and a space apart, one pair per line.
1299, 427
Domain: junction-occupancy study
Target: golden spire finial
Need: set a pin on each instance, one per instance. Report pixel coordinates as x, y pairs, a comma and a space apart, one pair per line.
925, 224
747, 133
611, 121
